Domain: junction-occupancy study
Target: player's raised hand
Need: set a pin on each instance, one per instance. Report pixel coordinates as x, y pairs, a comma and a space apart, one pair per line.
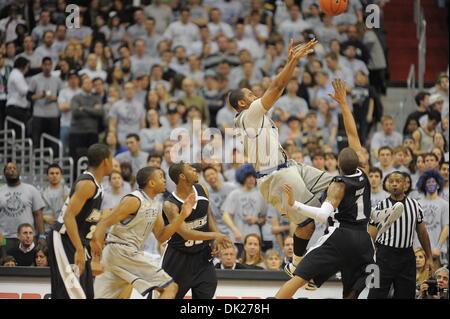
340, 91
301, 50
287, 189
188, 205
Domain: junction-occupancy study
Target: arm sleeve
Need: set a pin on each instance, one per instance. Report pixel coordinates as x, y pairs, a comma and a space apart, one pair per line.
37, 201
320, 214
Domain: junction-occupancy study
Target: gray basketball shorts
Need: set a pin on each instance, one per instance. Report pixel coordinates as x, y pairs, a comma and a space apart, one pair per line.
308, 185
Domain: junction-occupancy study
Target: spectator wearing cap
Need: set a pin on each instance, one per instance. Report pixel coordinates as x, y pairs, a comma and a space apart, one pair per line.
87, 111
424, 135
290, 103
387, 137
17, 104
182, 32
191, 98
244, 210
441, 88
45, 89
162, 14
127, 116
436, 103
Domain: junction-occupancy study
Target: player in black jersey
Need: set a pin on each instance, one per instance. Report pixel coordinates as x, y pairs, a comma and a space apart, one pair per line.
69, 253
188, 257
347, 247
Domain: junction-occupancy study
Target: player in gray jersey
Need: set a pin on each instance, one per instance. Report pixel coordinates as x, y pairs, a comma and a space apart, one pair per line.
132, 221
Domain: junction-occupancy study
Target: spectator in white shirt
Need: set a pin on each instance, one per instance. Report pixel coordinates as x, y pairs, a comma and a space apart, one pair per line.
293, 28
29, 53
47, 48
91, 68
17, 104
43, 25
8, 25
353, 63
140, 62
179, 64
182, 32
386, 160
161, 13
218, 28
137, 30
290, 103
231, 10
255, 30
247, 43
386, 137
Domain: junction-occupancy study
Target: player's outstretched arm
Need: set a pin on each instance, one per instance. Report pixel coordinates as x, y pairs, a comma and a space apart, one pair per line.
163, 233
340, 96
335, 194
277, 86
127, 206
424, 239
171, 211
83, 191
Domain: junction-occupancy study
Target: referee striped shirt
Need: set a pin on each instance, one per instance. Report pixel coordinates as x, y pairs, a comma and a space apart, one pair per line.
401, 232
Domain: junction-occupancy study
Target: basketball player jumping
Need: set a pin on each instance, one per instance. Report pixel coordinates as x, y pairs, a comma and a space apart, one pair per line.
262, 148
347, 247
69, 253
132, 220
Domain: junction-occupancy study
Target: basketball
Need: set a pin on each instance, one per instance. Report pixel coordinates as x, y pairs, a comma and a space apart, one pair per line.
333, 7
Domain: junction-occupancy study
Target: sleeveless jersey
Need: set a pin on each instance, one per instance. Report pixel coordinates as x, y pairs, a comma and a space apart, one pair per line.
89, 215
198, 220
259, 137
355, 207
135, 229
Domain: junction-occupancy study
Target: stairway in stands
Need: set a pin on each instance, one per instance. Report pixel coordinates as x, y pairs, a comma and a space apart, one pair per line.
403, 43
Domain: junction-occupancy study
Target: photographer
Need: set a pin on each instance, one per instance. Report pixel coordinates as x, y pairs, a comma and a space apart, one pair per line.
435, 288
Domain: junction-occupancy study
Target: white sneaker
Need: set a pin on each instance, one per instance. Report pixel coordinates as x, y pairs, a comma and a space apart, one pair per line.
289, 269
387, 216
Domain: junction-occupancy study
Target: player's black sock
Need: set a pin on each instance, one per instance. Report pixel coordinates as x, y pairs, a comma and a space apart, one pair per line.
300, 246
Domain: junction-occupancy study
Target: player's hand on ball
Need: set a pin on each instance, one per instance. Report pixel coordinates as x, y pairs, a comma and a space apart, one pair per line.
188, 205
340, 91
287, 189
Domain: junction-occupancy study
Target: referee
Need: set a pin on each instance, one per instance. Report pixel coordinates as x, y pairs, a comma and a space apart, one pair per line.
395, 256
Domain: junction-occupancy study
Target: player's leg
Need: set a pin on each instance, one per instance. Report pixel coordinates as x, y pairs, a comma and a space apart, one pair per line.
178, 266
301, 236
320, 263
58, 290
290, 287
405, 281
205, 283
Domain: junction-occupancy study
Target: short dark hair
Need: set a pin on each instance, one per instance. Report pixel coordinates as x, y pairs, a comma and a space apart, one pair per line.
348, 161
135, 136
317, 154
54, 165
175, 171
42, 248
388, 176
420, 96
234, 97
209, 167
96, 154
153, 155
144, 175
7, 259
385, 148
46, 58
21, 63
19, 229
434, 115
432, 155
376, 170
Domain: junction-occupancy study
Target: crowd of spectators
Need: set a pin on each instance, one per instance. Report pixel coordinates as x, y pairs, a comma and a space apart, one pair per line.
147, 80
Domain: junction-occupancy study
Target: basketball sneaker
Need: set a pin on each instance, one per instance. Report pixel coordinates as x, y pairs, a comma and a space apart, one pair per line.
385, 217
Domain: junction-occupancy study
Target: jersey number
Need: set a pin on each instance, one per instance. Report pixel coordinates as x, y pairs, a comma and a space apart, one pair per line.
360, 204
190, 243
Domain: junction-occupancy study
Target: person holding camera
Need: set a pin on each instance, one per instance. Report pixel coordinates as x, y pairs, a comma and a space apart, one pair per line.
435, 287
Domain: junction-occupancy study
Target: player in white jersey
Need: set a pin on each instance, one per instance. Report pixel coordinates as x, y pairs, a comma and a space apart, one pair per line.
262, 148
132, 220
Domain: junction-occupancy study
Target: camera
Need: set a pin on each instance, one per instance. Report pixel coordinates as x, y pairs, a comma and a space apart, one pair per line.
432, 286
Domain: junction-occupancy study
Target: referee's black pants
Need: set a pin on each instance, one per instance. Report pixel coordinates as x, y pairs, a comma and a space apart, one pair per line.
397, 268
